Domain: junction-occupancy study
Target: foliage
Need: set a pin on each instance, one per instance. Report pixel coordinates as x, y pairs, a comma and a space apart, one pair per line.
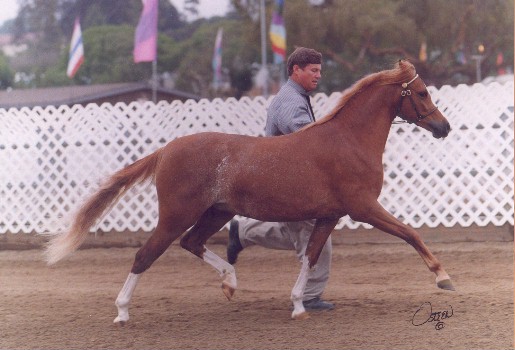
237, 55
57, 16
110, 57
109, 51
6, 73
356, 37
108, 34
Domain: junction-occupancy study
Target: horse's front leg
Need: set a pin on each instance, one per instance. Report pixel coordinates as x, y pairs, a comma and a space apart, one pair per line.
321, 231
381, 219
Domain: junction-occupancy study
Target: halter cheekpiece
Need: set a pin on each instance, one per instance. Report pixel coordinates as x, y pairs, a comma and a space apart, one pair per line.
407, 92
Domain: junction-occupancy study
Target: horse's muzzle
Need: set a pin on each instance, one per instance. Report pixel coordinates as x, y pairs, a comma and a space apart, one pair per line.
440, 129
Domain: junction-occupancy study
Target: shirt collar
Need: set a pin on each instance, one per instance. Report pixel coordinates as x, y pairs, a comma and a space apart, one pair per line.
297, 87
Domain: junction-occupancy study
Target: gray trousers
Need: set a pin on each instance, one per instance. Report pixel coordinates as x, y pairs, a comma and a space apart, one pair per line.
289, 236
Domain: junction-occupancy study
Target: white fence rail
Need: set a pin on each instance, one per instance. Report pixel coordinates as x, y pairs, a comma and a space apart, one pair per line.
51, 158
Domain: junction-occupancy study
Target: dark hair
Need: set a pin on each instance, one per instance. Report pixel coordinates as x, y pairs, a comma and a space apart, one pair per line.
302, 56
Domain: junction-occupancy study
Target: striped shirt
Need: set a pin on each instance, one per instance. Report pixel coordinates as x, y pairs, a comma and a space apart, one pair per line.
289, 110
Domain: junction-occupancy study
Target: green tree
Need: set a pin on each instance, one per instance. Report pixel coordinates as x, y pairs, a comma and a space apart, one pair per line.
56, 17
362, 36
6, 73
238, 53
108, 47
110, 59
356, 37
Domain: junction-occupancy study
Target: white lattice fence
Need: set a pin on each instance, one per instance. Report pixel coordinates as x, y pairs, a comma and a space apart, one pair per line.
52, 158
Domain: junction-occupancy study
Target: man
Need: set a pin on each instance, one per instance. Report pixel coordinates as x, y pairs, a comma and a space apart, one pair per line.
289, 111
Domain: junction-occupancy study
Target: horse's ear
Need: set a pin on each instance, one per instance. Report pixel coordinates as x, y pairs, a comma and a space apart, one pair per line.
403, 62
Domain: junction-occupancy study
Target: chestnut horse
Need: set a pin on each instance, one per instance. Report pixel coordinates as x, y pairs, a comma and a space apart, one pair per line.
329, 169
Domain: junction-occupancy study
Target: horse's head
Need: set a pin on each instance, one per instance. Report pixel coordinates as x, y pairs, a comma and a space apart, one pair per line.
420, 109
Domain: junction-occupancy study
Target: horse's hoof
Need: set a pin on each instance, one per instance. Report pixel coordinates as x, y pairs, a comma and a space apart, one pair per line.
228, 291
119, 321
445, 284
302, 316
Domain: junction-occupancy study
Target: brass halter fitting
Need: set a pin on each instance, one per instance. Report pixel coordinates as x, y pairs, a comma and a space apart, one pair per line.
405, 85
407, 92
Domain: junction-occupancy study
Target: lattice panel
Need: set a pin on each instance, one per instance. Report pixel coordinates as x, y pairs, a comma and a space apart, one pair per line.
52, 158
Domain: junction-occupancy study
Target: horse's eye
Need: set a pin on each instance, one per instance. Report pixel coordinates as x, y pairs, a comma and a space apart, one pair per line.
423, 93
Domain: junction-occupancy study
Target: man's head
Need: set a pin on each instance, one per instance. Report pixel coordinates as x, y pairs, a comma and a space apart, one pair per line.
304, 67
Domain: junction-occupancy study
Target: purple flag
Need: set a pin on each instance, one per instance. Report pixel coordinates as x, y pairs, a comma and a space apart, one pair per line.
145, 38
217, 59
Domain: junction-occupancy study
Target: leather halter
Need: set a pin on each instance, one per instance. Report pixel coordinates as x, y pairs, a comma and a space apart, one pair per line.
407, 92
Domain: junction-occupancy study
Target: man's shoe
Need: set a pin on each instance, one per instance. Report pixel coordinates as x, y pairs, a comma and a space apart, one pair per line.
234, 246
317, 304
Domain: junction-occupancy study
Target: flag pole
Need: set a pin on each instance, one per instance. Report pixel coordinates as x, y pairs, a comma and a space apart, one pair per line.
263, 47
154, 80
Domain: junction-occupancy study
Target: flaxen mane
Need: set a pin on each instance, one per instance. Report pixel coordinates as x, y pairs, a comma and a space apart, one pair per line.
402, 72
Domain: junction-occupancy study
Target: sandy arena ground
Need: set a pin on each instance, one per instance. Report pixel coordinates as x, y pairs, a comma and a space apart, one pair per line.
377, 288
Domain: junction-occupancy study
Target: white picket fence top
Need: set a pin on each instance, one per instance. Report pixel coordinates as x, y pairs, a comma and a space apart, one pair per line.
51, 158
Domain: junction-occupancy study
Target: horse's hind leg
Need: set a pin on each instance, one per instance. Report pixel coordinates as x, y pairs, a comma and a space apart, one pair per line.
164, 234
195, 239
381, 219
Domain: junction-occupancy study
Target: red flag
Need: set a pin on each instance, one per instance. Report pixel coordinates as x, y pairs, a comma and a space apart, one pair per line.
145, 38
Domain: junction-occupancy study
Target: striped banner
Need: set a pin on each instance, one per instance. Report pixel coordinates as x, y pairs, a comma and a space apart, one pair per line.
76, 57
278, 33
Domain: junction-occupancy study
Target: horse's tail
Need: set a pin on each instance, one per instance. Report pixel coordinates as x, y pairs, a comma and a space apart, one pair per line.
120, 182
